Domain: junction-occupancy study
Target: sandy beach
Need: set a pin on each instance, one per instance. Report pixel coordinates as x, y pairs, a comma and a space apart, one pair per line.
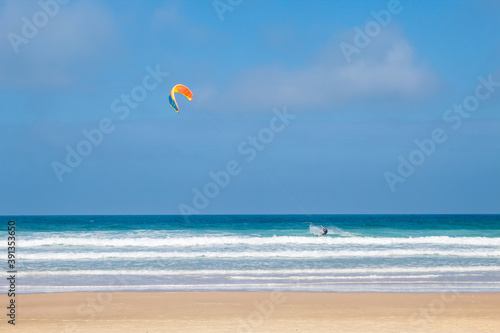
255, 312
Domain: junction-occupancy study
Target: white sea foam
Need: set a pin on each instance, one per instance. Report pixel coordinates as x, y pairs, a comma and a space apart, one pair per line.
352, 286
332, 230
343, 277
96, 241
257, 272
483, 253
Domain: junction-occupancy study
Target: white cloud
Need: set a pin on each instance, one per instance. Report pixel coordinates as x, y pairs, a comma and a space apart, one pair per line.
167, 15
173, 17
387, 68
60, 51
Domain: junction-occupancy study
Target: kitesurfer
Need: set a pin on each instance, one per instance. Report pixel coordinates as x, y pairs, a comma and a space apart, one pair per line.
325, 231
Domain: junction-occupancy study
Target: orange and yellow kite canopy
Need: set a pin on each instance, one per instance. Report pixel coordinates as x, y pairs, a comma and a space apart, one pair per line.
181, 89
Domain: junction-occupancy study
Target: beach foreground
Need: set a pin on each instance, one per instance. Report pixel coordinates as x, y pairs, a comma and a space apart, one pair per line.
255, 312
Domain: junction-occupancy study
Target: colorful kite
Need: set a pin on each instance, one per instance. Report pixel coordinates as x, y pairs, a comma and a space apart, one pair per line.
181, 89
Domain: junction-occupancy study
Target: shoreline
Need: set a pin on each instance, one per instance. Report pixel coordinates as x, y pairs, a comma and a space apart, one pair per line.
255, 312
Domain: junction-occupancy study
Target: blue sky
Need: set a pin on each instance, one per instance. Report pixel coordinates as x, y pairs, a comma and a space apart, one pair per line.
348, 144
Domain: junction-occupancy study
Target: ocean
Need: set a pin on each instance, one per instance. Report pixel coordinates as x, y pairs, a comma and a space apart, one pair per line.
360, 253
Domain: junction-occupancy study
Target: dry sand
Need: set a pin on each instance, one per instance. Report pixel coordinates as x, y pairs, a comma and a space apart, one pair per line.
255, 312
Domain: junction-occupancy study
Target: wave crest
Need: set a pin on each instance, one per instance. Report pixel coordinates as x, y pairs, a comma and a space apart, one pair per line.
238, 240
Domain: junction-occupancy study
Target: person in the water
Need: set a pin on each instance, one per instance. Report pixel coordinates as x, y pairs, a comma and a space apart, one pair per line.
325, 231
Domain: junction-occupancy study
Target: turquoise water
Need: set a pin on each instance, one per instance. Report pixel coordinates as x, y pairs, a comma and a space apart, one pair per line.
418, 253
